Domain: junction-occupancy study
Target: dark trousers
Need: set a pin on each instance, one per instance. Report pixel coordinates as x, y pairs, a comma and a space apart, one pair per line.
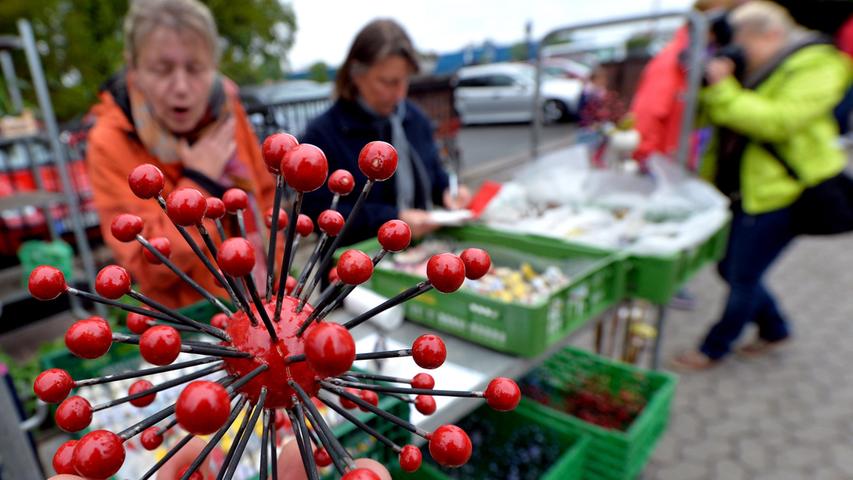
755, 242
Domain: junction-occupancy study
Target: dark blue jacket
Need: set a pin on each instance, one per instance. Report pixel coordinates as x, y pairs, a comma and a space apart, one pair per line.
341, 132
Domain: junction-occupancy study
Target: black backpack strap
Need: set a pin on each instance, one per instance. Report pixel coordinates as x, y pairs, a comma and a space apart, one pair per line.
772, 150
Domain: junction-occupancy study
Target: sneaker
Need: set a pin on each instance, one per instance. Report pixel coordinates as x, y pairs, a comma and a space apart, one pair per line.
692, 361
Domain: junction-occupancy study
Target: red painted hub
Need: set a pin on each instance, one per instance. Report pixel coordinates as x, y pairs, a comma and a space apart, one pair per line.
255, 340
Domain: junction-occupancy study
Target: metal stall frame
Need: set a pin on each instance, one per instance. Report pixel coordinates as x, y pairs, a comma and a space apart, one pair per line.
698, 28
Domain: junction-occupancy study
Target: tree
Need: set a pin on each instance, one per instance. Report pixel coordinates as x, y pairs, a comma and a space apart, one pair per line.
319, 72
81, 43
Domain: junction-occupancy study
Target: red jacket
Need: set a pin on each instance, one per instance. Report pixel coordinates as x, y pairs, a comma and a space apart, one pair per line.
112, 153
657, 106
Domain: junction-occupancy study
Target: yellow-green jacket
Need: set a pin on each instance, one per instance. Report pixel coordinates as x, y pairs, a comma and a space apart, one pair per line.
792, 110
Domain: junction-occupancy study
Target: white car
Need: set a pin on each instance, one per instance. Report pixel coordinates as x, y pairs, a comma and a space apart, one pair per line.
503, 92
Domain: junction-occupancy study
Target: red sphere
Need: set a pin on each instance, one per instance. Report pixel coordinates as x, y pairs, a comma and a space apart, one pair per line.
89, 338
477, 262
162, 244
73, 414
341, 182
141, 386
349, 404
160, 345
423, 380
255, 340
333, 275
215, 208
329, 349
429, 351
126, 227
394, 235
46, 282
99, 454
63, 459
322, 458
235, 199
196, 475
112, 282
450, 446
304, 225
186, 206
151, 438
360, 474
138, 323
446, 272
354, 267
425, 404
289, 284
410, 458
305, 168
236, 257
146, 181
370, 397
282, 219
53, 385
203, 407
275, 147
220, 320
331, 222
503, 394
377, 161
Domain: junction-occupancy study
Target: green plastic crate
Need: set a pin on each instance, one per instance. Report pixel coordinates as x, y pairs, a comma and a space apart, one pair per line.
612, 454
569, 466
598, 282
658, 278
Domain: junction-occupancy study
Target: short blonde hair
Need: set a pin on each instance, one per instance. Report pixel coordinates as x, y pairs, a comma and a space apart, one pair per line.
145, 16
762, 16
705, 5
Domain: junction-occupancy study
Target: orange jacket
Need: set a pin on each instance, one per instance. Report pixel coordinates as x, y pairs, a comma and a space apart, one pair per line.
657, 107
112, 153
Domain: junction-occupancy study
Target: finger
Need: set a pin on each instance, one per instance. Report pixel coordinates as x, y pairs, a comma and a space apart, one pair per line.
290, 462
183, 459
374, 466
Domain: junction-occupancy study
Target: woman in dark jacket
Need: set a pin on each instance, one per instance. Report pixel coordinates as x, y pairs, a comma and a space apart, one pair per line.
371, 105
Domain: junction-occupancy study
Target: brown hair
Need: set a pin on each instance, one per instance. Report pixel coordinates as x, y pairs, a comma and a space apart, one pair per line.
378, 40
145, 16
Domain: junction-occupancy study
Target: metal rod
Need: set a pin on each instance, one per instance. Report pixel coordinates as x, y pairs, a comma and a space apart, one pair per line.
199, 459
363, 426
179, 317
272, 446
220, 230
339, 391
259, 407
298, 420
318, 422
141, 373
382, 378
241, 222
259, 306
401, 297
325, 297
114, 303
230, 456
262, 467
276, 206
247, 378
312, 260
288, 252
168, 456
327, 258
412, 391
158, 388
322, 442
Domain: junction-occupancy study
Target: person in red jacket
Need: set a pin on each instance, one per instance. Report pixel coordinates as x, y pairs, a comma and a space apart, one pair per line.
171, 108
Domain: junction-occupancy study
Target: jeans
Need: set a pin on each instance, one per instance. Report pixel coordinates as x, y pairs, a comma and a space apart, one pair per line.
755, 242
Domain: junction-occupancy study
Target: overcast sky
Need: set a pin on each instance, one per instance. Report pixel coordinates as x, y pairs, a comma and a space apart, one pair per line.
326, 27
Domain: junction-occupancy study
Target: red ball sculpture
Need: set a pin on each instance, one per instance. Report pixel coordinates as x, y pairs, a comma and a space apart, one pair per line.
330, 349
354, 267
425, 404
89, 338
203, 407
341, 182
274, 149
141, 386
73, 414
99, 454
151, 438
429, 351
477, 262
235, 199
160, 345
394, 235
377, 161
63, 459
53, 385
450, 446
410, 458
146, 181
446, 272
331, 222
305, 168
236, 257
112, 282
186, 206
46, 283
215, 208
126, 227
163, 245
503, 394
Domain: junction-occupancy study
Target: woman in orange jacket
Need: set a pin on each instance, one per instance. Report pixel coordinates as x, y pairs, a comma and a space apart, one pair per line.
171, 108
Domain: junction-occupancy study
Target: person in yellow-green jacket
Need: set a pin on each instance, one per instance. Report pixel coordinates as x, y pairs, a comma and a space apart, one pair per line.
774, 135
